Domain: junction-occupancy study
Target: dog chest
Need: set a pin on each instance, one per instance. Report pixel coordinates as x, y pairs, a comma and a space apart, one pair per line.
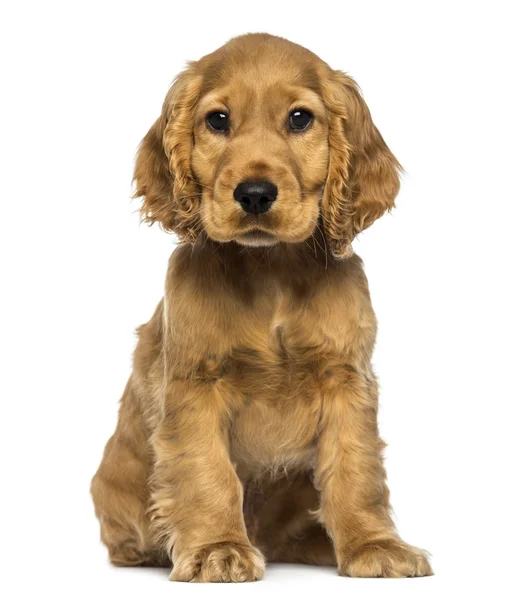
275, 425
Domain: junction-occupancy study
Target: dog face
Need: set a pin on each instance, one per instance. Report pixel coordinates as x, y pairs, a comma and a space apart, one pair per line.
263, 162
261, 142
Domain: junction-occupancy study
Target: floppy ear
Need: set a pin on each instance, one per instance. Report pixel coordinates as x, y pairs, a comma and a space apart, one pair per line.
363, 178
163, 174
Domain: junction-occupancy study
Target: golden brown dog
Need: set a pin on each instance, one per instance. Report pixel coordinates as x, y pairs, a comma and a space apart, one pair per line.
248, 428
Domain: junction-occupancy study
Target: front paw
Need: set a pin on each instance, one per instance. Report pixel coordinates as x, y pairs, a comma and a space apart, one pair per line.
386, 558
222, 562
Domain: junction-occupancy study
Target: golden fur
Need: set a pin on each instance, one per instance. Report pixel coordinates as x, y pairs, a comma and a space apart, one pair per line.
248, 429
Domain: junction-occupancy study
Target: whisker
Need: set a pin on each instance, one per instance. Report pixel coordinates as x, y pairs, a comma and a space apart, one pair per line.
203, 185
184, 197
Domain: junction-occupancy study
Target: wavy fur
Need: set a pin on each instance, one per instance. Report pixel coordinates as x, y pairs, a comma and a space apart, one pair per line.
248, 429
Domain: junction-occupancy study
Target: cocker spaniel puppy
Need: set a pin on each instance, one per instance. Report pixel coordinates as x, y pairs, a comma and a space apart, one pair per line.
248, 429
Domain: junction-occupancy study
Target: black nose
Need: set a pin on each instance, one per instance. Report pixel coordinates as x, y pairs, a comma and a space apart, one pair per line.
255, 196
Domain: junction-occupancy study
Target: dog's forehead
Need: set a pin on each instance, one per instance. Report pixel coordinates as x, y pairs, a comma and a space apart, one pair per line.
262, 59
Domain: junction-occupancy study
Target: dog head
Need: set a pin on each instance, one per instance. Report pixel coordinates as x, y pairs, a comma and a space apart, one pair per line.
262, 142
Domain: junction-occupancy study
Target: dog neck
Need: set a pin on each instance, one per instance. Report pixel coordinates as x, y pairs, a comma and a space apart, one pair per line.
309, 255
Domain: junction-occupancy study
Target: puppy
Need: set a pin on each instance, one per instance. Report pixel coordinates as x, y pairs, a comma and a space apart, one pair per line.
248, 428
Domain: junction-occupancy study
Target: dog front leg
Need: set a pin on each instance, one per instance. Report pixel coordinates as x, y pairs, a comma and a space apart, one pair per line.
197, 495
352, 481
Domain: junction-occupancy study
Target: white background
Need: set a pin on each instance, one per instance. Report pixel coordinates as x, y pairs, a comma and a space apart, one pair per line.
448, 86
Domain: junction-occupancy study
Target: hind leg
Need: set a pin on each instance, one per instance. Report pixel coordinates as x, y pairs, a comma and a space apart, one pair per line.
120, 492
124, 528
279, 516
312, 547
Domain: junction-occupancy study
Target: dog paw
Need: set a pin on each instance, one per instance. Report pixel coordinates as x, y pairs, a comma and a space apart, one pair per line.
222, 562
386, 558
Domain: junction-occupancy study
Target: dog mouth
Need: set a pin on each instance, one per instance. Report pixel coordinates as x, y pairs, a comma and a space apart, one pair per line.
257, 237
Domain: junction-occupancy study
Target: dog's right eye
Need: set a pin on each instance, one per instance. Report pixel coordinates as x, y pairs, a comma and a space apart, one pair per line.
218, 121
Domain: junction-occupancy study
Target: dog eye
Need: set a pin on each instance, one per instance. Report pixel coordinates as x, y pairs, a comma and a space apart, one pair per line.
299, 120
218, 121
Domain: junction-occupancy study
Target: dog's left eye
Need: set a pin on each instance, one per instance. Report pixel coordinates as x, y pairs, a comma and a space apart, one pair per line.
300, 119
218, 121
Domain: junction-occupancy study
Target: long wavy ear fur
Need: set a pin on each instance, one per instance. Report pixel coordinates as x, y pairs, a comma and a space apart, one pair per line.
363, 178
162, 172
